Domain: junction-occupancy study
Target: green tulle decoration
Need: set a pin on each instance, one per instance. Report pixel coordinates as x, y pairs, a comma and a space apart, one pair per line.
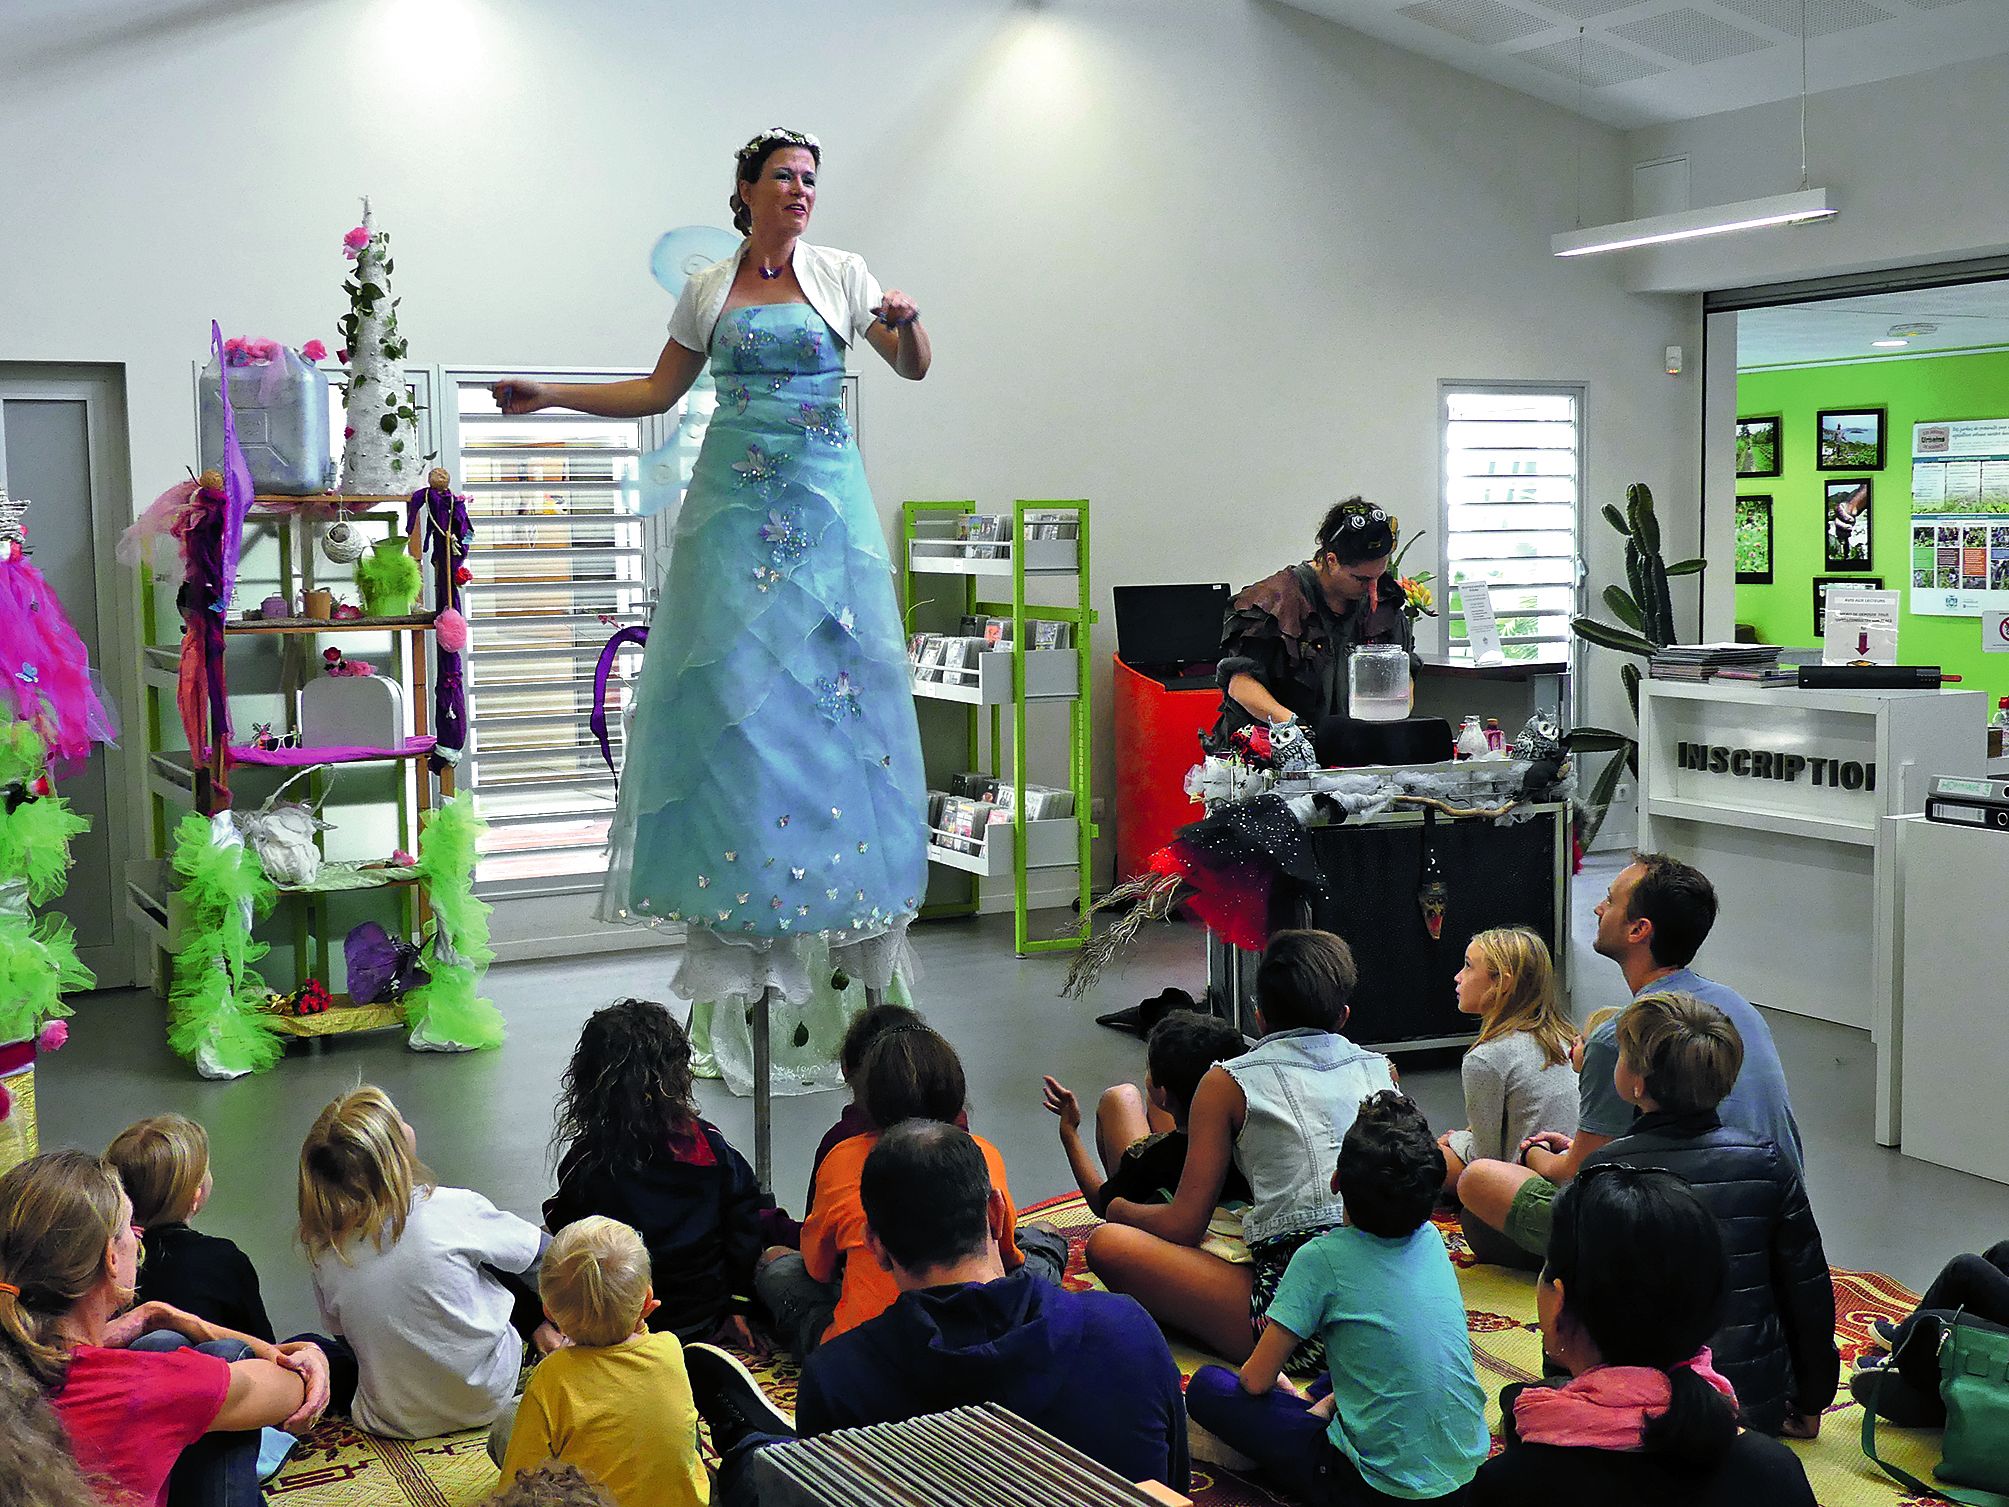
38, 966
38, 954
388, 580
35, 845
216, 1015
447, 1012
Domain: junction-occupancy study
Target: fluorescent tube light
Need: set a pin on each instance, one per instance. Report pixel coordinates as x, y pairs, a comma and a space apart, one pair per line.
1890, 345
1719, 219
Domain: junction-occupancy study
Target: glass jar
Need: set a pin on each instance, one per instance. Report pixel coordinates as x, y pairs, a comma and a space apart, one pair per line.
1377, 683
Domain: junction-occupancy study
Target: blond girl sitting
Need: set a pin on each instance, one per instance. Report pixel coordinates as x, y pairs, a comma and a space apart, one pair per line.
419, 1285
1518, 1078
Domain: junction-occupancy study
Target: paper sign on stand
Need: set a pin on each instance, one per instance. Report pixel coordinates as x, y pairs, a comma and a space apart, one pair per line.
1482, 630
1861, 627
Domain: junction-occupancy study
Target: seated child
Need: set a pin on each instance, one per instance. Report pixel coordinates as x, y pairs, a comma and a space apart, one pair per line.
836, 1283
428, 1339
616, 1401
634, 1148
1278, 1113
1141, 1137
1405, 1419
1677, 1058
1642, 1418
1518, 1076
1976, 1287
866, 1027
163, 1161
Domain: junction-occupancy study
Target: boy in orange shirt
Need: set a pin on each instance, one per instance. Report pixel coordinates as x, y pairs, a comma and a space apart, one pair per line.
836, 1284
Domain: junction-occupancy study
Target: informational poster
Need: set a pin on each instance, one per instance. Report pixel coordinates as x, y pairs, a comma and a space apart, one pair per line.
1960, 517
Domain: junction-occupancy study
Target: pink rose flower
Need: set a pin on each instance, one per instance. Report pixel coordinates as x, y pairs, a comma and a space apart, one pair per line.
354, 242
314, 350
348, 430
53, 1036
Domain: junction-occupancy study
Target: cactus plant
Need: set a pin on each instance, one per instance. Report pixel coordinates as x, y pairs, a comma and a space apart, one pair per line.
1645, 612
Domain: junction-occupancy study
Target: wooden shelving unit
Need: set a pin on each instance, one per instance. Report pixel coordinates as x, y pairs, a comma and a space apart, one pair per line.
177, 782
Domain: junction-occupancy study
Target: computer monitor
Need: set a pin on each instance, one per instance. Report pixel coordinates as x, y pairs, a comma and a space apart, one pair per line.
1170, 627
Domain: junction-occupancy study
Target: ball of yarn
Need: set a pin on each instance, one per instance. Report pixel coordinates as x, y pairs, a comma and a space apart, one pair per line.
342, 542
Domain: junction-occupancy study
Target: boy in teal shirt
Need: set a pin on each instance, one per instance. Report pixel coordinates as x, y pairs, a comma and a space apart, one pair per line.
1405, 1420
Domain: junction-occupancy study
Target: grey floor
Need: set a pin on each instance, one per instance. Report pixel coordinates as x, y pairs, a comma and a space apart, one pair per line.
483, 1119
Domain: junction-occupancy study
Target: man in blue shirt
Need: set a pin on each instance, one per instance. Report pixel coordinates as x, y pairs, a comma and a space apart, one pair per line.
1651, 922
1090, 1368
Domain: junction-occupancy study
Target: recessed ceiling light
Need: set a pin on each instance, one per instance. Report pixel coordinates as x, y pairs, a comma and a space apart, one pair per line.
1890, 345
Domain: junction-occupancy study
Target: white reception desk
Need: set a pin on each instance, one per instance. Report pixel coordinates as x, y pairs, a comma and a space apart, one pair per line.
1779, 795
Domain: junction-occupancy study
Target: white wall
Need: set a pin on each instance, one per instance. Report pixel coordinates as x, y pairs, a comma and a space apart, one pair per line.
1917, 167
1201, 261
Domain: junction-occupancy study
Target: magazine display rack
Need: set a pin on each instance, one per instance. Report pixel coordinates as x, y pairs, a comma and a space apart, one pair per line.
998, 655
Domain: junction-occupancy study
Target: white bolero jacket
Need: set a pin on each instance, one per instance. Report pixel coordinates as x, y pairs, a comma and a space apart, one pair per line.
836, 282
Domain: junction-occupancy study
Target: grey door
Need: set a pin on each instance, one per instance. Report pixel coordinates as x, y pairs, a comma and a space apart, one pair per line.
62, 437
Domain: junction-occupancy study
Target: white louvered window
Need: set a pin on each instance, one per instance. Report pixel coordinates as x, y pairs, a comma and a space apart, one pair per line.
560, 561
1511, 504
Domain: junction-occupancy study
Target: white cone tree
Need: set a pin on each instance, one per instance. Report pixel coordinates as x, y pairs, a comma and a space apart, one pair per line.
380, 449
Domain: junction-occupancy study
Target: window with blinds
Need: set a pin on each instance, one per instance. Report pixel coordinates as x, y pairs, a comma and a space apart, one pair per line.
560, 562
1512, 491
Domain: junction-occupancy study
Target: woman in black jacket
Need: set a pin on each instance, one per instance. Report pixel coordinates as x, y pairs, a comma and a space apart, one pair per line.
1632, 1290
1677, 1058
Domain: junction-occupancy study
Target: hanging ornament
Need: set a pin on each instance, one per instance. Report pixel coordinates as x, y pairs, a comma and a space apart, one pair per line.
1432, 893
342, 542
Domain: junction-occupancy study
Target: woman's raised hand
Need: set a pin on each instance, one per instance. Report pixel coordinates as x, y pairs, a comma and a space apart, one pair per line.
519, 395
896, 310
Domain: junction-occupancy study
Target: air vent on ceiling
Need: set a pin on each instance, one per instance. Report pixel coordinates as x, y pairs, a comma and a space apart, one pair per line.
1592, 64
1583, 10
1485, 22
1932, 4
1691, 36
1824, 17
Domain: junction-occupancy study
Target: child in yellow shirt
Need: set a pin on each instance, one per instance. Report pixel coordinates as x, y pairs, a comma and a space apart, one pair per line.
615, 1400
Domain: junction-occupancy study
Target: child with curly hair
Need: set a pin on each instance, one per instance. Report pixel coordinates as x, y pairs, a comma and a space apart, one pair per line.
632, 1146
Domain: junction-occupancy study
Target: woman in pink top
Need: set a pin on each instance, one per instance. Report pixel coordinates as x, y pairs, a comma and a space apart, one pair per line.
160, 1407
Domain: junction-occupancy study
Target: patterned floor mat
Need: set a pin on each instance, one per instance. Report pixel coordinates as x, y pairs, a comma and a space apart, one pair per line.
337, 1466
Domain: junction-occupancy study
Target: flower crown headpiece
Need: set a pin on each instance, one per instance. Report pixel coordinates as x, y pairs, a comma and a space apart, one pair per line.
777, 134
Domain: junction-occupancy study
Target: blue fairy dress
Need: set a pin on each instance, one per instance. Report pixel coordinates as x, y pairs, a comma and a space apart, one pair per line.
772, 797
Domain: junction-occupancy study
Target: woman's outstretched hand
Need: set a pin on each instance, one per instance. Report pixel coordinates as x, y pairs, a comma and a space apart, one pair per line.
519, 395
896, 310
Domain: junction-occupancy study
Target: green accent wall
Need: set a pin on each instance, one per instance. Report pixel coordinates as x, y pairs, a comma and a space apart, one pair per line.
1911, 392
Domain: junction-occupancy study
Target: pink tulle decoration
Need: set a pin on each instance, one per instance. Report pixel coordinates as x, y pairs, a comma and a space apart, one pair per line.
53, 1037
314, 350
163, 518
46, 667
451, 630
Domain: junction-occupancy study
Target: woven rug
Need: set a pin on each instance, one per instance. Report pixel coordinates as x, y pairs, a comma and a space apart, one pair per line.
337, 1466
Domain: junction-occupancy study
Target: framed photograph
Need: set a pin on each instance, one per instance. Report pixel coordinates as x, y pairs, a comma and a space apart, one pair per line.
1754, 541
1846, 513
1821, 588
1849, 439
1758, 444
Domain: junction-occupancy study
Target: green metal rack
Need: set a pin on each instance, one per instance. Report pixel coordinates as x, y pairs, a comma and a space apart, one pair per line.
929, 547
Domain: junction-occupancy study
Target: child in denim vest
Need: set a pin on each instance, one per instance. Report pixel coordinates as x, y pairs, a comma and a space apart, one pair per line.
1278, 1113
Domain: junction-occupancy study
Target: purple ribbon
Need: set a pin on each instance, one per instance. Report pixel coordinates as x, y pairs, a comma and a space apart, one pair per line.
444, 517
636, 635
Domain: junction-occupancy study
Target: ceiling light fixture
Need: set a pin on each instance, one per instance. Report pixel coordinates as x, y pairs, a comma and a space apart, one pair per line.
1803, 207
1720, 219
1890, 345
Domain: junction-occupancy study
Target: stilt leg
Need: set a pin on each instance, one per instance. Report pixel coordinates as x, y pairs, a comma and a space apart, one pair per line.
763, 1099
874, 998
